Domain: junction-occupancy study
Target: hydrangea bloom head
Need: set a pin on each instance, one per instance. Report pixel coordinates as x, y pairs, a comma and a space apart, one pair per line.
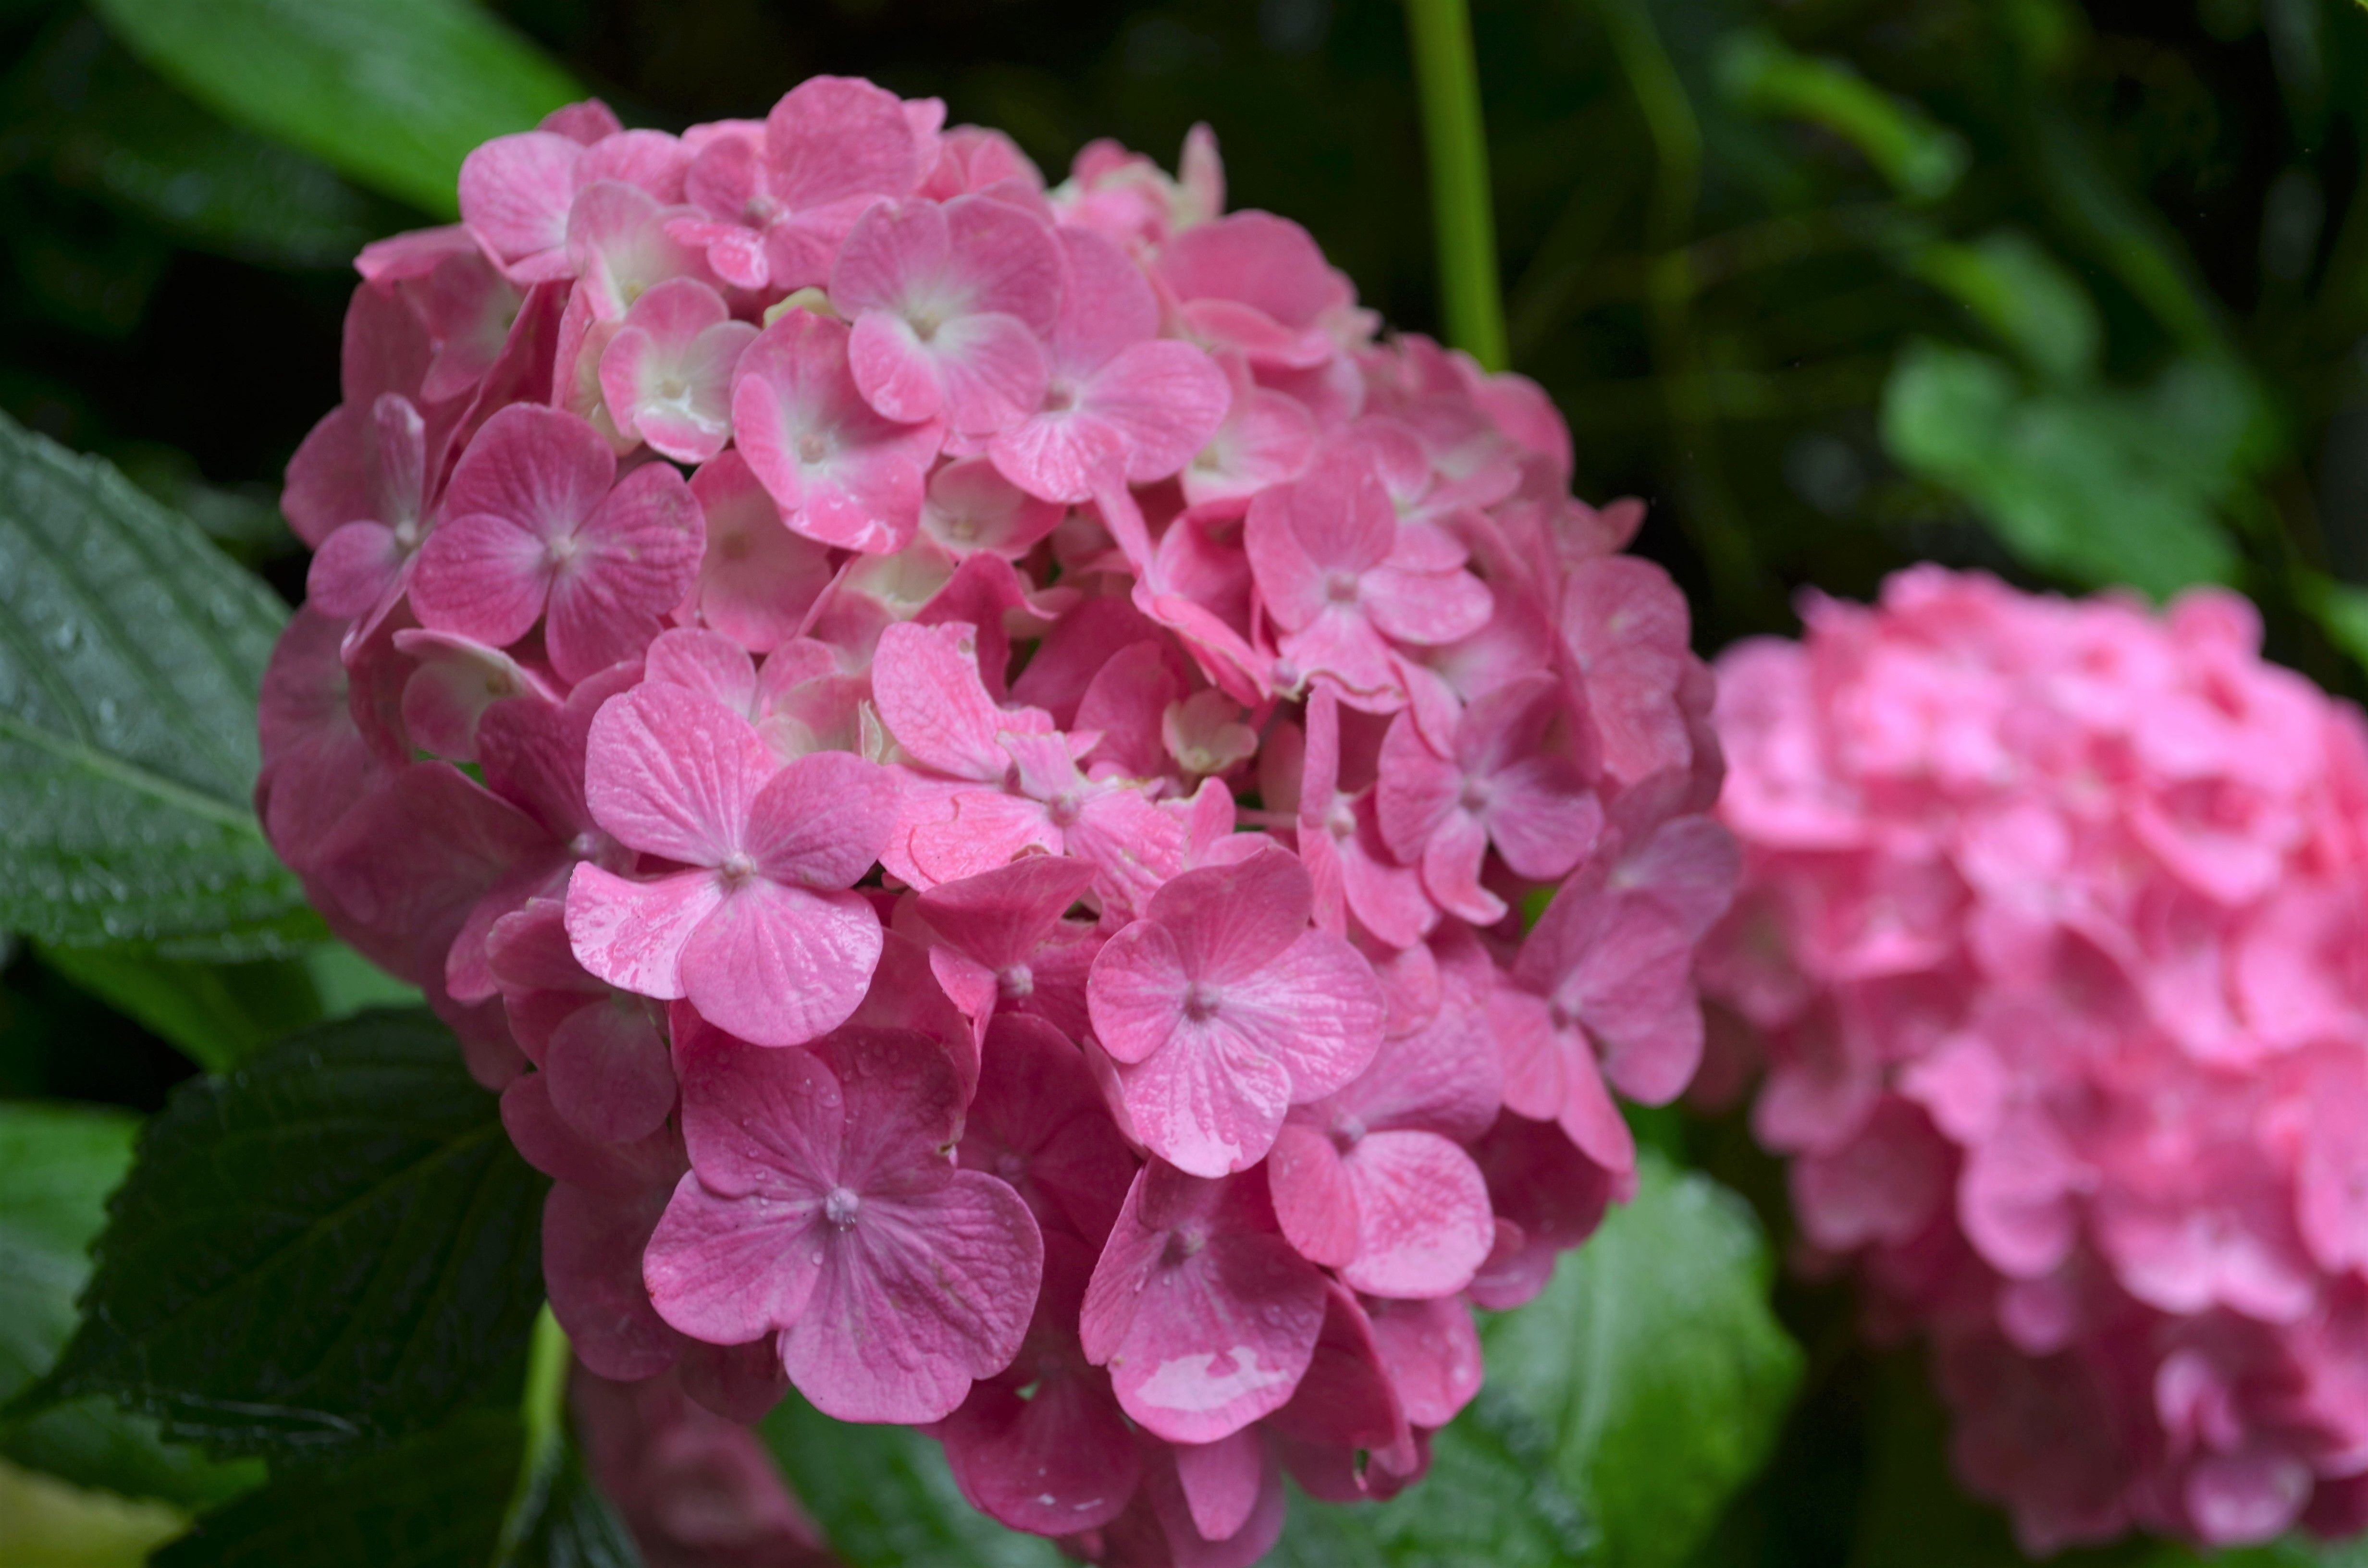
961, 750
2052, 927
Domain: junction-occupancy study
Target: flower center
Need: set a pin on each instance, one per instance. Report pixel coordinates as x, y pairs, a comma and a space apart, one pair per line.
1348, 1133
1187, 1243
738, 867
561, 549
1201, 1001
1061, 396
812, 447
1475, 795
1064, 808
673, 389
839, 1207
1016, 982
760, 210
1340, 821
1341, 587
1011, 1166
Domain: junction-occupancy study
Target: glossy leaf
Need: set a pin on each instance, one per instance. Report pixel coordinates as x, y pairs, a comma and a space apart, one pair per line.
1654, 1365
394, 93
2096, 485
97, 121
45, 1523
1509, 1509
886, 1499
436, 1498
336, 1243
57, 1166
215, 1012
131, 652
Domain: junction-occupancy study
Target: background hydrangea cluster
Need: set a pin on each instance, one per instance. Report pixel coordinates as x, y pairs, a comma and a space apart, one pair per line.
2053, 931
970, 757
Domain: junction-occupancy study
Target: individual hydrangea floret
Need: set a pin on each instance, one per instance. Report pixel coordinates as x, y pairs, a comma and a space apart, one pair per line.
2051, 937
966, 754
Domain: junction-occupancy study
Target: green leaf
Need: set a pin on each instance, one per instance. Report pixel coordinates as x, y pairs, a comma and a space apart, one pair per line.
44, 1523
437, 1499
573, 1525
1491, 1497
1922, 160
2032, 303
392, 92
1653, 1366
886, 1499
215, 1012
335, 1242
2341, 609
347, 982
449, 1496
57, 1166
95, 120
131, 654
2093, 486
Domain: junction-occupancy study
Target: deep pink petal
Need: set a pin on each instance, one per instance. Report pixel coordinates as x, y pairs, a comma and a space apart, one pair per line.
1209, 1101
608, 1071
727, 1271
919, 1296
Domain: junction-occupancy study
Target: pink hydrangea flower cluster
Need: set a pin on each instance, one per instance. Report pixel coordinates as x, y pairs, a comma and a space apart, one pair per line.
970, 757
2055, 929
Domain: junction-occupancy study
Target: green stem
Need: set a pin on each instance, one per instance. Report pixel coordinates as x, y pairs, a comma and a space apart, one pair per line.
1461, 212
542, 1412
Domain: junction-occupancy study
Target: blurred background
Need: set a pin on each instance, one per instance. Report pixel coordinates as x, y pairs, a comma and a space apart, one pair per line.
2075, 292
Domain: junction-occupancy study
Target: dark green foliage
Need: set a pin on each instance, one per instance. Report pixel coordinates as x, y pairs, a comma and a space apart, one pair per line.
333, 1244
131, 652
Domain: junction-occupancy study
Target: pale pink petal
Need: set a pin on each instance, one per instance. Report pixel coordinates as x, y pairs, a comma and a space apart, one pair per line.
633, 933
1165, 399
1222, 1482
515, 192
834, 137
780, 965
1423, 1224
1067, 457
1138, 991
927, 683
1313, 1200
1431, 1351
707, 663
483, 577
1316, 1009
756, 578
628, 564
353, 570
1235, 920
1211, 1101
671, 772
